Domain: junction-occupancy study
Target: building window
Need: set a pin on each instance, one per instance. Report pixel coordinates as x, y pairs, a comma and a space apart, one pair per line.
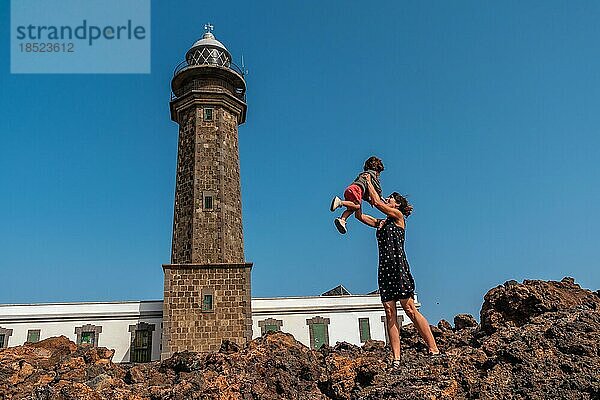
270, 325
207, 296
33, 335
88, 338
4, 335
208, 114
88, 334
365, 329
318, 329
141, 342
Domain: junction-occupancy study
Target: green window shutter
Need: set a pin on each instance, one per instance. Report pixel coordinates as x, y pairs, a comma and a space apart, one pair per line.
318, 335
365, 330
88, 338
33, 336
271, 328
207, 302
1, 341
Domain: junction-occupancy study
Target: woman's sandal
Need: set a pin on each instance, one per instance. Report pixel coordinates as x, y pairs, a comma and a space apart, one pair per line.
433, 355
394, 366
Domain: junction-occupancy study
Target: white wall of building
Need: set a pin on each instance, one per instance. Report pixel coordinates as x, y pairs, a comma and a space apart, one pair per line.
343, 313
115, 318
62, 319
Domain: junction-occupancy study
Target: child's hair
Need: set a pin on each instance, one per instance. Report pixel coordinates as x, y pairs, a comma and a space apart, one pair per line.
373, 163
403, 204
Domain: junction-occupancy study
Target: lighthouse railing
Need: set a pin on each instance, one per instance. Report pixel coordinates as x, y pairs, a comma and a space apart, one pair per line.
184, 64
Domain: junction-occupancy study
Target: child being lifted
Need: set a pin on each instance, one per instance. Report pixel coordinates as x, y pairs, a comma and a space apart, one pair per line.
357, 191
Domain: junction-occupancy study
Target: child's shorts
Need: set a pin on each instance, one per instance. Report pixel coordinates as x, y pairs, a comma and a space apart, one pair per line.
353, 193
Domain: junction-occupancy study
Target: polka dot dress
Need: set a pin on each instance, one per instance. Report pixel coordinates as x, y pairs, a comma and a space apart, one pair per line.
394, 278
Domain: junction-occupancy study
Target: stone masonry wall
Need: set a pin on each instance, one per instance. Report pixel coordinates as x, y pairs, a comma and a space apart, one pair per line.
186, 326
231, 204
208, 165
181, 251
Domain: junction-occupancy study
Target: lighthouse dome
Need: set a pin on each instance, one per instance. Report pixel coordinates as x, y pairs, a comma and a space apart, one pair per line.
208, 50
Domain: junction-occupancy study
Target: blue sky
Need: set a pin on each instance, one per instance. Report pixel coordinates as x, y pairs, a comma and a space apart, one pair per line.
485, 114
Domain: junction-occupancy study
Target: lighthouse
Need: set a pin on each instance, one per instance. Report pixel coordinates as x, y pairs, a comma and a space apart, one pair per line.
207, 283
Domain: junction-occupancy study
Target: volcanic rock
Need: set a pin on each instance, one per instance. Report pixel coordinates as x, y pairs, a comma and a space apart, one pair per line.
514, 304
536, 340
462, 321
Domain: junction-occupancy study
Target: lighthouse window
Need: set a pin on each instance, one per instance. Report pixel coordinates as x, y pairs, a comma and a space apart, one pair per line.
207, 302
207, 297
208, 202
208, 114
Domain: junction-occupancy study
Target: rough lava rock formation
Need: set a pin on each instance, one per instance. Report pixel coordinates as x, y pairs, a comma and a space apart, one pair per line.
536, 340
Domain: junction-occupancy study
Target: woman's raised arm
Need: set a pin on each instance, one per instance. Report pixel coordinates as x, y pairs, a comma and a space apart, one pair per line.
366, 219
380, 204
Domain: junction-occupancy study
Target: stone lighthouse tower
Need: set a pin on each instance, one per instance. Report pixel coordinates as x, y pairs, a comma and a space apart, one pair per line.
207, 284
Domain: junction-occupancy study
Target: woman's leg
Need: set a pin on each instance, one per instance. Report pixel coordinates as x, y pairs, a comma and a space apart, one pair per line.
420, 323
392, 327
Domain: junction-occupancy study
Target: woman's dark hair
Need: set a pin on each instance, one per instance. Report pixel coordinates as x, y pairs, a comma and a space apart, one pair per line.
373, 163
403, 204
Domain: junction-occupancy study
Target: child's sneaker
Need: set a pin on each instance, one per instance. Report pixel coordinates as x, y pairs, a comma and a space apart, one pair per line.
335, 203
340, 224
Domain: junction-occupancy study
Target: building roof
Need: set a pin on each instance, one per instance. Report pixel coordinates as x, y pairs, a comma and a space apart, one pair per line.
339, 290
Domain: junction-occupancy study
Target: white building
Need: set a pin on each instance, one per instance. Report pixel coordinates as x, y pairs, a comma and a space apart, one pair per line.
133, 328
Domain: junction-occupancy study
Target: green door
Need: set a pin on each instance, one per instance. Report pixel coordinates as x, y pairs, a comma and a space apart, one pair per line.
141, 351
318, 335
364, 329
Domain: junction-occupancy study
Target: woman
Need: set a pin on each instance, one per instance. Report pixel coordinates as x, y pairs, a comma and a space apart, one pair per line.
395, 280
